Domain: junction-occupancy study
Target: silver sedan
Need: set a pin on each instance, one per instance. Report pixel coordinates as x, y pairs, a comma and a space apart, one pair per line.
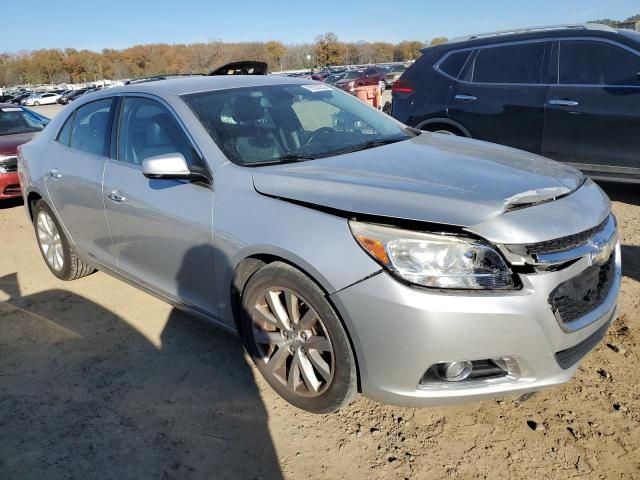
350, 252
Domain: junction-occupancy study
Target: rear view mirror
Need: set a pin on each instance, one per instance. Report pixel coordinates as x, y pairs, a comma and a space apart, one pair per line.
169, 165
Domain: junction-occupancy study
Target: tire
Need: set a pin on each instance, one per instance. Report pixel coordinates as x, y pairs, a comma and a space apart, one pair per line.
37, 104
54, 246
308, 362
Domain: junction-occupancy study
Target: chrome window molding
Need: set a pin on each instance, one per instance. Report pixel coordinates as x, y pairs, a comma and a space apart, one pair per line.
436, 66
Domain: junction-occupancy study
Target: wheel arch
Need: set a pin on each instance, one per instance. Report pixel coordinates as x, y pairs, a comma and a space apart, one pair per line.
445, 122
247, 267
32, 198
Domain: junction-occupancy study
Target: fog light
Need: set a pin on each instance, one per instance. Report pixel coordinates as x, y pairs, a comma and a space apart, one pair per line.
456, 371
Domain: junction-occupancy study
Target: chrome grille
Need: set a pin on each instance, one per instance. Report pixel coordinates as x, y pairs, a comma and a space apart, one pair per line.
565, 243
580, 295
10, 164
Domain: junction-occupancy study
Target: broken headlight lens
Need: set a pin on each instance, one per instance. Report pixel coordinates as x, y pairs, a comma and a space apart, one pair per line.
433, 260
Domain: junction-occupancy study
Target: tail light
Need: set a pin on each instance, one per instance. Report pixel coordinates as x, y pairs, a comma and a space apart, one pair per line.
401, 86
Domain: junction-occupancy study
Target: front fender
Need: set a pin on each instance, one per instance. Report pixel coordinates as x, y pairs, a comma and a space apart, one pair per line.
318, 243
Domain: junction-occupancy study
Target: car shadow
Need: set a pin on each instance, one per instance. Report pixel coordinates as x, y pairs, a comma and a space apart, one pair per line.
11, 203
631, 261
83, 394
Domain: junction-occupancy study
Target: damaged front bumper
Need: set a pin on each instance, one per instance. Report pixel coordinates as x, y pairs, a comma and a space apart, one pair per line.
400, 332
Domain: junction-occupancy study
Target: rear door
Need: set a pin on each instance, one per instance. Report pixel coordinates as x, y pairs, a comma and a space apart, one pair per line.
74, 167
500, 95
593, 111
161, 228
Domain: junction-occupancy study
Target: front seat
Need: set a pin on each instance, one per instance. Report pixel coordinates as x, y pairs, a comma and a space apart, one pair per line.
162, 138
254, 142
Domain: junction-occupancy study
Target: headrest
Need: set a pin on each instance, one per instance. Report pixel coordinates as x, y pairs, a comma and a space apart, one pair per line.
248, 109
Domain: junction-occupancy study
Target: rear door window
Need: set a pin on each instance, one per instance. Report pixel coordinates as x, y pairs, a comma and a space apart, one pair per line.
90, 127
589, 62
516, 63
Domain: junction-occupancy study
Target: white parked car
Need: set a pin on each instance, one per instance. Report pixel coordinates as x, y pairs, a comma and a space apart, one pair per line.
44, 99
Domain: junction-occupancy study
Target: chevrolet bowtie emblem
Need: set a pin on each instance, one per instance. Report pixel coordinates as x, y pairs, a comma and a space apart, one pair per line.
602, 250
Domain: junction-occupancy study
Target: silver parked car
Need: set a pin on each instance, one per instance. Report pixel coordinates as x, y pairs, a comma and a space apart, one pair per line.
350, 252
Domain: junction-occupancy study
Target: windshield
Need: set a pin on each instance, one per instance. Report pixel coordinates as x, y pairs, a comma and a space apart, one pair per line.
15, 120
278, 123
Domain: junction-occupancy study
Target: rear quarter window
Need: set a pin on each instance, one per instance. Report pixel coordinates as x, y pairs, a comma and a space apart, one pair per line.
64, 136
453, 63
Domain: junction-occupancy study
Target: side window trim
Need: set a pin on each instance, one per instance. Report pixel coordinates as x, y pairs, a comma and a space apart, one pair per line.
599, 40
557, 40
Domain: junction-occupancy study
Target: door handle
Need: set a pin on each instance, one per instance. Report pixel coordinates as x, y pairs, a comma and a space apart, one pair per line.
115, 196
466, 98
54, 173
563, 103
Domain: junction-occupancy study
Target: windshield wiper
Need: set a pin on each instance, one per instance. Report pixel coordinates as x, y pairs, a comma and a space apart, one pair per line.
372, 144
288, 158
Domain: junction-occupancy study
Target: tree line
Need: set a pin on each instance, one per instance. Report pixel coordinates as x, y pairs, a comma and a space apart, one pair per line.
70, 65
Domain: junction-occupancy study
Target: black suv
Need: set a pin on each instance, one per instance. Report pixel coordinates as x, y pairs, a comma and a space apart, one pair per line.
571, 93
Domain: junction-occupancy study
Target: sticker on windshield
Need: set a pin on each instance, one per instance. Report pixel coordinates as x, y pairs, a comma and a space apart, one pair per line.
317, 87
11, 109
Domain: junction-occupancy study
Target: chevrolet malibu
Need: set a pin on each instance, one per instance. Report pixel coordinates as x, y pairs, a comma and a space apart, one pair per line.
349, 252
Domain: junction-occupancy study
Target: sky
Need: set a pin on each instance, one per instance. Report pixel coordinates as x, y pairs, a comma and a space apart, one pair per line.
122, 23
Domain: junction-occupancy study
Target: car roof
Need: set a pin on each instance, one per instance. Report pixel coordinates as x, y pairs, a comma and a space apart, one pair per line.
532, 33
194, 84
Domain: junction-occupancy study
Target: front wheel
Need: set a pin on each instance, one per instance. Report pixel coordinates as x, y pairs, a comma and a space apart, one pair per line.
297, 341
37, 104
54, 245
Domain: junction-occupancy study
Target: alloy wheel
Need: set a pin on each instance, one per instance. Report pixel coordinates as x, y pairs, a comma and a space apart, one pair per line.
50, 241
293, 342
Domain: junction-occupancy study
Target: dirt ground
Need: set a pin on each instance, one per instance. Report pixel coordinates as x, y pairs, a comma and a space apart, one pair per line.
99, 380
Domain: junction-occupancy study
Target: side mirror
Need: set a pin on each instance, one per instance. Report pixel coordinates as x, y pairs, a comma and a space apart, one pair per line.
170, 166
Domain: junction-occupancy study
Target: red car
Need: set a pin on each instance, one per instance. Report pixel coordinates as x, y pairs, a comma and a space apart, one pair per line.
17, 126
361, 78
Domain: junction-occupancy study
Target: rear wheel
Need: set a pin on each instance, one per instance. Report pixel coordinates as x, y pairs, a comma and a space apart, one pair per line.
54, 246
37, 104
296, 340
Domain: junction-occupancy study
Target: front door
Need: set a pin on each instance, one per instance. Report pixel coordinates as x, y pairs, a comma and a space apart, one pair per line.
161, 229
592, 115
500, 95
74, 167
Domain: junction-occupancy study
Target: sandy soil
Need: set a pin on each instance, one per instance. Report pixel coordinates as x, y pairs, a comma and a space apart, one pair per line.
99, 380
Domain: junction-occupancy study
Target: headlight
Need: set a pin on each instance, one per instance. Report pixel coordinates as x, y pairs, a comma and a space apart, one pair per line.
432, 260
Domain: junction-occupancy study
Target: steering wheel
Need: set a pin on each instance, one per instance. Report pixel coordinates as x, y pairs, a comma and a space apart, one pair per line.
317, 133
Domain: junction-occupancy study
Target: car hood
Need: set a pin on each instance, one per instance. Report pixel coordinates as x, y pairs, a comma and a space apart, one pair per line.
10, 143
431, 178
